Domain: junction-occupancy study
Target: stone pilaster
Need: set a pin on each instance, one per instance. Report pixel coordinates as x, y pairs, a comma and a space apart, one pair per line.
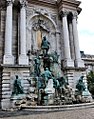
8, 57
78, 61
58, 41
23, 59
58, 45
67, 56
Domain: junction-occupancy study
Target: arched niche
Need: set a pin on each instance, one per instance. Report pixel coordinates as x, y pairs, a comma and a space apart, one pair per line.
37, 27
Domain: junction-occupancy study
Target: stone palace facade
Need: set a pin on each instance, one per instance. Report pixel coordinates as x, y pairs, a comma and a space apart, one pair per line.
23, 23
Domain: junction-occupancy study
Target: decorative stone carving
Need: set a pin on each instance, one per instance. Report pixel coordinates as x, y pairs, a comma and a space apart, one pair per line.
29, 12
23, 3
40, 24
49, 88
41, 11
75, 15
64, 13
53, 17
9, 2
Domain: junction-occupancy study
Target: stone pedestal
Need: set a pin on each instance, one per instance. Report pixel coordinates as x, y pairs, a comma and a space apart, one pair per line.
8, 59
87, 96
50, 91
79, 63
68, 63
5, 104
23, 60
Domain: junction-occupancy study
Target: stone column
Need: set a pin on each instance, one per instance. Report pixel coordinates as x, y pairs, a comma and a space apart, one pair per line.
67, 56
23, 59
8, 57
71, 40
78, 61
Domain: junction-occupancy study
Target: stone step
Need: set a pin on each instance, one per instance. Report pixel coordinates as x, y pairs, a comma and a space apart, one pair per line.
58, 107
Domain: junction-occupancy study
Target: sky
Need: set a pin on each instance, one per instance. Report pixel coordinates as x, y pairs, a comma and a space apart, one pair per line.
86, 27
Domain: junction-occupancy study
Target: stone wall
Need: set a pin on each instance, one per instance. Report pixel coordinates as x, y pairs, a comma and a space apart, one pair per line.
2, 34
7, 83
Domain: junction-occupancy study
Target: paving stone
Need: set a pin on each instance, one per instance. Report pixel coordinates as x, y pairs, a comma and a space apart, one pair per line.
72, 114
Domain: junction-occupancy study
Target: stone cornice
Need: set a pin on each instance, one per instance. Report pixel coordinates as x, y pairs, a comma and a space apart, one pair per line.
50, 3
72, 3
79, 10
74, 68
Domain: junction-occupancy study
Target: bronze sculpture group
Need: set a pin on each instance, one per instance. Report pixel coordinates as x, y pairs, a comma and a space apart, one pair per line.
63, 93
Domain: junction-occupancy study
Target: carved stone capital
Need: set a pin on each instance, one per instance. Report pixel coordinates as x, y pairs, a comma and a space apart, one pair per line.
65, 13
75, 15
23, 3
9, 2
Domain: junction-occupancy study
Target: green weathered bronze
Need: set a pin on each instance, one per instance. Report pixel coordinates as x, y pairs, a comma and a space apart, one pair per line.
17, 88
37, 64
45, 45
80, 85
46, 75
